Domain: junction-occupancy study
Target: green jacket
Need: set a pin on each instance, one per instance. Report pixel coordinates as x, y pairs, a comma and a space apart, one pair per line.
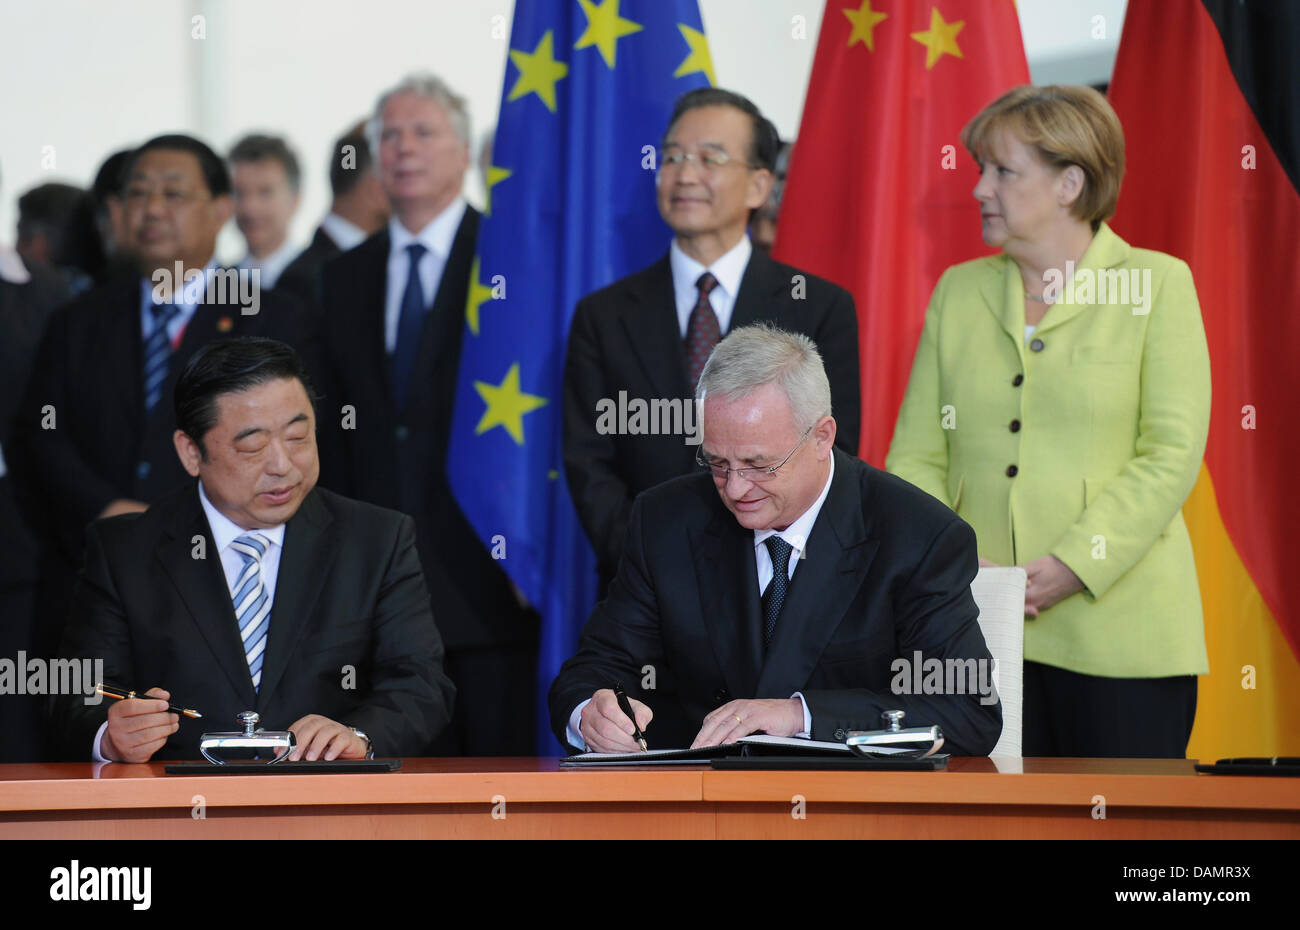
1105, 432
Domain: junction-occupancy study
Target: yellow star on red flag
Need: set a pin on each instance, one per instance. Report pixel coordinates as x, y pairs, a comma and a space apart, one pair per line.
940, 40
864, 20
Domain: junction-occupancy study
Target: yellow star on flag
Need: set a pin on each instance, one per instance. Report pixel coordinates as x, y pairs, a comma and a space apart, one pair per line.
864, 20
940, 40
538, 72
479, 294
494, 177
506, 405
604, 28
699, 61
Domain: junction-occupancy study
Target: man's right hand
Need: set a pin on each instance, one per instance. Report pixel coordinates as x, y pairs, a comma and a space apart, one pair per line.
138, 727
122, 505
606, 728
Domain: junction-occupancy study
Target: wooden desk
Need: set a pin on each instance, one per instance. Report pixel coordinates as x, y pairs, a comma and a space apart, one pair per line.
457, 798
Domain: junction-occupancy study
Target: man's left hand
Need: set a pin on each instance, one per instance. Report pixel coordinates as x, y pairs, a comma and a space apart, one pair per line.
322, 738
735, 719
1050, 581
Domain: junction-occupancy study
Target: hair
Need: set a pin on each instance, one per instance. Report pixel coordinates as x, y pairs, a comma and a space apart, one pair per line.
760, 354
49, 210
213, 169
431, 87
108, 180
1066, 125
764, 143
258, 147
344, 180
228, 366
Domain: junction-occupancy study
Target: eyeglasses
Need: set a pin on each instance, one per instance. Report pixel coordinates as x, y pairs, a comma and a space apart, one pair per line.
708, 160
755, 473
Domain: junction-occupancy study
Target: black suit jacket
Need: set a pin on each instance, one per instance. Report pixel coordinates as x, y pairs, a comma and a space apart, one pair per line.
349, 592
301, 277
397, 457
88, 384
626, 337
887, 572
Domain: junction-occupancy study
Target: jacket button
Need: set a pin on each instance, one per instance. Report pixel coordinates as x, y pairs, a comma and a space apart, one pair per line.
1012, 471
1036, 345
841, 734
721, 696
142, 470
1018, 380
402, 432
1015, 426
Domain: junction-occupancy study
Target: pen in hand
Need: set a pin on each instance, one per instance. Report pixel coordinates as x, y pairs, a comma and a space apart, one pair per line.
626, 707
119, 695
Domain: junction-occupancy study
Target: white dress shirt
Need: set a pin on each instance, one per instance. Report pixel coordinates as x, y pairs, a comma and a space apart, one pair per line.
345, 233
436, 238
728, 269
796, 534
224, 532
272, 265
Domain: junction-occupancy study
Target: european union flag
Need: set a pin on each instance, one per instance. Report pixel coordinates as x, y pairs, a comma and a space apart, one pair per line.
571, 207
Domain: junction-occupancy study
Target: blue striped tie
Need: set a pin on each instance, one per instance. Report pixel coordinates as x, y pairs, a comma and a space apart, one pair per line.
252, 605
157, 354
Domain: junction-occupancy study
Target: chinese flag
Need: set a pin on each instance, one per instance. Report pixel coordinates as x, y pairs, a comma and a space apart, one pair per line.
1209, 95
878, 197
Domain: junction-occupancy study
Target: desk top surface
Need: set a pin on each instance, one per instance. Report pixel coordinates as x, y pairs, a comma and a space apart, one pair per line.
978, 781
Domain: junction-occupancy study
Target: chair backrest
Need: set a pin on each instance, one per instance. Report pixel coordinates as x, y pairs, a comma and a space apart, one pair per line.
1000, 595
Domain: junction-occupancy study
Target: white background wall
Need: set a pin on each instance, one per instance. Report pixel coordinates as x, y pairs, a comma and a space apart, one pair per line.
82, 78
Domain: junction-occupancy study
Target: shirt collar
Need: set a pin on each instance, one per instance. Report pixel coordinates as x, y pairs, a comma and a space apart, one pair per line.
436, 237
224, 531
796, 534
345, 233
273, 264
728, 269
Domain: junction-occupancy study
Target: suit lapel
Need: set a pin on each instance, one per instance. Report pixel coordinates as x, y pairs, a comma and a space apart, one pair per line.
1105, 251
307, 558
124, 339
650, 321
727, 579
838, 555
757, 285
201, 586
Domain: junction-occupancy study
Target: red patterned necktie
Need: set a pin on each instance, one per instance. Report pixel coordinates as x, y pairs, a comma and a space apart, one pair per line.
702, 333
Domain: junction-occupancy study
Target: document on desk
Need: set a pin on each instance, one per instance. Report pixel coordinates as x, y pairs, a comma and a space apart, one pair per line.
757, 744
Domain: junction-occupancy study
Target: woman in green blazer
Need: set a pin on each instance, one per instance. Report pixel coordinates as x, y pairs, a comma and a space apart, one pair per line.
1059, 402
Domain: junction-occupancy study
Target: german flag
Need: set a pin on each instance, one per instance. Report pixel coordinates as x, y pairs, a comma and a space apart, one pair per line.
1209, 95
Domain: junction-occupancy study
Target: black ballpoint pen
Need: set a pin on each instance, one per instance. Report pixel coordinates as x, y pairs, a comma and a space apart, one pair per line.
121, 694
626, 707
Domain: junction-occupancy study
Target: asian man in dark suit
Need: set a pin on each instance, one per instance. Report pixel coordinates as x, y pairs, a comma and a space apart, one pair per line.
777, 591
251, 589
649, 334
394, 311
92, 436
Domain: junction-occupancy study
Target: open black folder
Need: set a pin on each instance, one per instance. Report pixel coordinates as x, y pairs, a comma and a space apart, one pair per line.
762, 751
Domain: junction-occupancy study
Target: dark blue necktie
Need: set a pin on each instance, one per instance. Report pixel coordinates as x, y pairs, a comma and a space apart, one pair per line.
774, 596
157, 354
409, 325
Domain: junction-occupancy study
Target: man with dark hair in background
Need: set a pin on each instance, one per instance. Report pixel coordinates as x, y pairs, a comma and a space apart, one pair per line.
26, 300
45, 214
296, 584
92, 436
649, 334
359, 208
265, 177
394, 315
